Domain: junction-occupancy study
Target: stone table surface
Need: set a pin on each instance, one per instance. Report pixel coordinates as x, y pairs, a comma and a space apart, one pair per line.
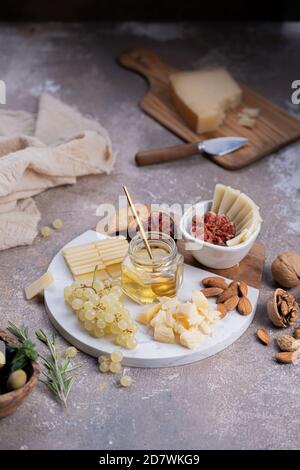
238, 399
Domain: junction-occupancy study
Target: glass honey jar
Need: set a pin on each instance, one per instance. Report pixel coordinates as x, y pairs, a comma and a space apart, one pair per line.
145, 279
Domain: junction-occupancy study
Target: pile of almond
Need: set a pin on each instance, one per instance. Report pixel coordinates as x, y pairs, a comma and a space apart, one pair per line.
289, 346
228, 296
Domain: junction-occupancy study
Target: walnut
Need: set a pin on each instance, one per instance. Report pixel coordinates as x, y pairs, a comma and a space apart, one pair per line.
286, 269
282, 308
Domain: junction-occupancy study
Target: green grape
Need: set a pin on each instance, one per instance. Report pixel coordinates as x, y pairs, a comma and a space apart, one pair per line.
79, 293
115, 367
77, 304
126, 381
109, 317
101, 324
115, 329
104, 367
122, 324
87, 306
116, 356
98, 285
88, 293
100, 314
98, 332
68, 292
131, 342
95, 299
81, 315
116, 291
88, 325
90, 314
71, 352
102, 358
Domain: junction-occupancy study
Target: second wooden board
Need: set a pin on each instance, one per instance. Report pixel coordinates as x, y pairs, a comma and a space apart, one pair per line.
274, 128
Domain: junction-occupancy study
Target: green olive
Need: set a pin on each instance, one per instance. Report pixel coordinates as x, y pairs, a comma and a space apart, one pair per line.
2, 360
17, 379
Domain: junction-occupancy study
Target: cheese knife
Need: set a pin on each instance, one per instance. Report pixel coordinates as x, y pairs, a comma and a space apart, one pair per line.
211, 147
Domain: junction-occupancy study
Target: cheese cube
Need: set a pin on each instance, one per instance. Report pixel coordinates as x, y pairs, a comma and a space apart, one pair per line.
203, 96
147, 315
164, 334
39, 285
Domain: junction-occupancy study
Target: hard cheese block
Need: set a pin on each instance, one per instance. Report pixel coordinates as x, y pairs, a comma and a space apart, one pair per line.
106, 254
203, 96
39, 285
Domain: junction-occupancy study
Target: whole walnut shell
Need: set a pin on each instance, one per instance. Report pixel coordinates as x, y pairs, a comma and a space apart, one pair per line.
282, 308
286, 269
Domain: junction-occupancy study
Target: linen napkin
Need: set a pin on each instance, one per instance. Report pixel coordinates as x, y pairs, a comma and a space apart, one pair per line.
41, 151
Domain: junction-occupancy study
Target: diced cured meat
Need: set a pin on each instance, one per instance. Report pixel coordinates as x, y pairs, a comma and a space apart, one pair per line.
213, 228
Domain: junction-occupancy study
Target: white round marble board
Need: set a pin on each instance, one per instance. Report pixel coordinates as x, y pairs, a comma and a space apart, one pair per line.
148, 353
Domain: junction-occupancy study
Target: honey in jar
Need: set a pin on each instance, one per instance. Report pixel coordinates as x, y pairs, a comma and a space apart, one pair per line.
145, 279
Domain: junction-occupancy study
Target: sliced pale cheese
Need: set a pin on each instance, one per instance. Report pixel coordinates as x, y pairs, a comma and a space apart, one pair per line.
248, 217
236, 207
229, 198
83, 259
39, 285
241, 238
218, 196
203, 96
101, 275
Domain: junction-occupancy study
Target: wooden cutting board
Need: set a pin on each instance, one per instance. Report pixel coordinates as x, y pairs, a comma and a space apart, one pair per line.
274, 128
250, 269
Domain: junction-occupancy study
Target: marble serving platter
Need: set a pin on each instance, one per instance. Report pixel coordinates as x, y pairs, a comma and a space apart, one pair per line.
148, 353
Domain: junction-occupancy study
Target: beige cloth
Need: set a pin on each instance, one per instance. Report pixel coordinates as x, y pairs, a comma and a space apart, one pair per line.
64, 145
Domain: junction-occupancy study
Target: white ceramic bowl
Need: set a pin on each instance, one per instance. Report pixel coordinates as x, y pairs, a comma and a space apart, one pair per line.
213, 256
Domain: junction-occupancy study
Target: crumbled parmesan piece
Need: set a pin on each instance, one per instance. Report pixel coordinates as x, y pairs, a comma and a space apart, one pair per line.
246, 121
250, 112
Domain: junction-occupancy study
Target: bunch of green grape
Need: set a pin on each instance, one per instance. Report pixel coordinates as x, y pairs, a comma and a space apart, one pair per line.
100, 309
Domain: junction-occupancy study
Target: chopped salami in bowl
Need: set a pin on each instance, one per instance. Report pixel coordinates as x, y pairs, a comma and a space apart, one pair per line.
213, 228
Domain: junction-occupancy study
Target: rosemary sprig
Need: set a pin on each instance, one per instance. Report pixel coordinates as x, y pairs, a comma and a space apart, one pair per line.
57, 374
58, 377
20, 332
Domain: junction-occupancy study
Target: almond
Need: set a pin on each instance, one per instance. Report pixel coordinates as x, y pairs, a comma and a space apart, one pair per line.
297, 332
234, 287
243, 289
214, 282
286, 357
263, 336
222, 310
227, 293
231, 303
287, 343
212, 291
244, 306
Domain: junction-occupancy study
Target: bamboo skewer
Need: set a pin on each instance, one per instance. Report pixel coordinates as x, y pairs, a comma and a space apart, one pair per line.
137, 219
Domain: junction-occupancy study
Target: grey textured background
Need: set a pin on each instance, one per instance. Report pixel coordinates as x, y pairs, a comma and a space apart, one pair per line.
240, 398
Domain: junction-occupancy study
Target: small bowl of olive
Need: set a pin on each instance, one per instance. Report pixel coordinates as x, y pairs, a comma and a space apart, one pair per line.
15, 386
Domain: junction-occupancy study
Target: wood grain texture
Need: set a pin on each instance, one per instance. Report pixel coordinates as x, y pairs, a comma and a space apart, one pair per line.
249, 270
274, 127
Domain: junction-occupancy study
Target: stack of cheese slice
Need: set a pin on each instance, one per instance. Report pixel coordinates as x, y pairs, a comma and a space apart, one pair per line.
106, 254
203, 96
185, 323
240, 209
